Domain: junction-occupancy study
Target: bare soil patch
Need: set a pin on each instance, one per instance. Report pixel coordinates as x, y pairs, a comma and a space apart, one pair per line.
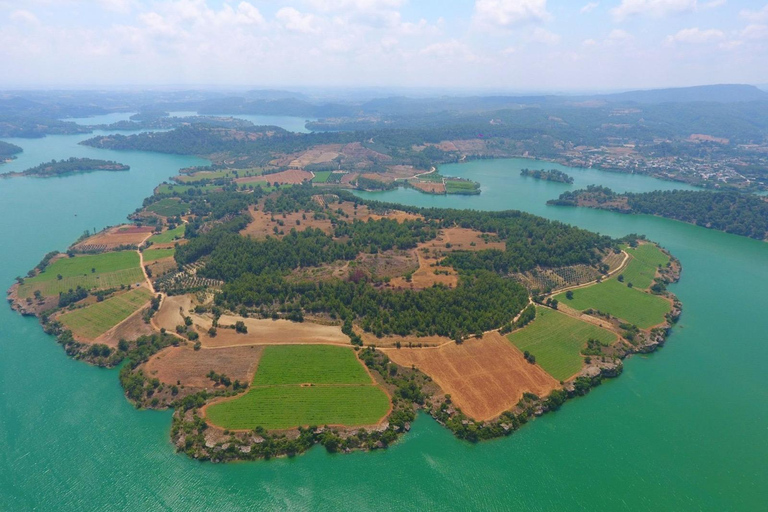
289, 177
263, 225
172, 311
189, 367
130, 329
268, 332
405, 341
484, 377
428, 274
430, 187
115, 237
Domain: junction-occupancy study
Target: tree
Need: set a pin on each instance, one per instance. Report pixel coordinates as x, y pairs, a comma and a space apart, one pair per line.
569, 295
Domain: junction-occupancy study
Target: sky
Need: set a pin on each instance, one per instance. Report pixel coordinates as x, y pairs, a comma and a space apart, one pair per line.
502, 45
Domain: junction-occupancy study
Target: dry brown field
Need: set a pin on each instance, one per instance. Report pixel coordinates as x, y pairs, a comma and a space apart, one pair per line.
289, 177
116, 236
405, 341
170, 313
189, 366
263, 225
425, 276
484, 377
268, 332
430, 187
130, 329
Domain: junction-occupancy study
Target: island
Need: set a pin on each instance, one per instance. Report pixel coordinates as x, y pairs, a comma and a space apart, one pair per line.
272, 316
70, 166
729, 211
550, 175
8, 151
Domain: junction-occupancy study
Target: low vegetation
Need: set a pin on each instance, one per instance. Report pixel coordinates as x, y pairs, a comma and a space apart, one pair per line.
92, 321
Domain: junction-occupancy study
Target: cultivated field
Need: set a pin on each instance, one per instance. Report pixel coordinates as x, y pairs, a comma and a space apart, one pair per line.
169, 207
268, 332
102, 271
115, 237
92, 321
634, 306
321, 177
556, 340
263, 225
430, 187
289, 177
190, 367
169, 236
157, 254
641, 269
304, 385
484, 377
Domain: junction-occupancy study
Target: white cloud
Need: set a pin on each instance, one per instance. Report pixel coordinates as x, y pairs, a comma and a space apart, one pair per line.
591, 6
757, 16
618, 35
654, 8
544, 36
24, 16
755, 32
696, 36
509, 13
359, 5
296, 21
449, 50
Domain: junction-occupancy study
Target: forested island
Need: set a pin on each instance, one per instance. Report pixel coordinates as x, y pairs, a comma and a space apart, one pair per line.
70, 166
8, 151
729, 211
550, 175
334, 319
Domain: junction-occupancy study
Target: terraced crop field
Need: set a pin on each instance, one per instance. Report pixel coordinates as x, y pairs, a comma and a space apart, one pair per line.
611, 296
321, 176
169, 236
157, 254
556, 340
304, 385
107, 270
94, 320
168, 207
641, 270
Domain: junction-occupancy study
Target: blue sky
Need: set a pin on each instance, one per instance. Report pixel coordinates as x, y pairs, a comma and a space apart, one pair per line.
502, 45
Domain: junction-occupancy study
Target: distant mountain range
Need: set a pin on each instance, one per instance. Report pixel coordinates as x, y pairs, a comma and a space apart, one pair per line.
724, 93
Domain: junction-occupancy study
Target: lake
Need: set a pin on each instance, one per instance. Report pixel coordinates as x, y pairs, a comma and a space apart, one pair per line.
682, 429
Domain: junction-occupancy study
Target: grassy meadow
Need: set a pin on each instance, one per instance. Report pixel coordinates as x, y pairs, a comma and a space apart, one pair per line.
556, 340
168, 207
169, 236
641, 269
151, 255
304, 385
611, 296
94, 320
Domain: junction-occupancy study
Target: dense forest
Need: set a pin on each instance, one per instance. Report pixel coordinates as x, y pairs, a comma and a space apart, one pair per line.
550, 175
254, 270
57, 168
732, 212
7, 150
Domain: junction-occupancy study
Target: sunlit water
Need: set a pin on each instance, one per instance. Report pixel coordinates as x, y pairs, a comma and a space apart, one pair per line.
683, 429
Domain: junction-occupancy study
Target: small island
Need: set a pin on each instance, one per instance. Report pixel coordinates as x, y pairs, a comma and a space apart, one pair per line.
550, 175
8, 151
70, 166
730, 211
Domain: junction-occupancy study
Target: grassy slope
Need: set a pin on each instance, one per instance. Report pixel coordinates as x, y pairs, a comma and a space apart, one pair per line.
321, 176
157, 254
96, 319
168, 207
112, 269
642, 268
169, 236
342, 391
642, 309
556, 340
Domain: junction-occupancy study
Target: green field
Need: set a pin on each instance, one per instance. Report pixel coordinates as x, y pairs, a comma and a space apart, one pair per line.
321, 176
639, 308
557, 339
461, 187
168, 207
166, 188
213, 175
94, 320
642, 267
169, 236
151, 255
341, 393
106, 270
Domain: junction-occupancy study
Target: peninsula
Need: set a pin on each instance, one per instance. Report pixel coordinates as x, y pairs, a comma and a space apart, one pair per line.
8, 151
729, 211
550, 175
272, 316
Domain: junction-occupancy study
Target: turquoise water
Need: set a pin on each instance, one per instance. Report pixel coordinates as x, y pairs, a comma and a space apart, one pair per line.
683, 429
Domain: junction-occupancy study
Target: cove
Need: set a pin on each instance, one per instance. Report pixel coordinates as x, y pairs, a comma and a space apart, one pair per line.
682, 429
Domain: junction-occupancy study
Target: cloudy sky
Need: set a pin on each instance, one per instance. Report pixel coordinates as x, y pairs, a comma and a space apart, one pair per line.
516, 45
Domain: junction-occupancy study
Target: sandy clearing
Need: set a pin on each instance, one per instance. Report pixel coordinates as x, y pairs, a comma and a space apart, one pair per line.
268, 332
289, 177
125, 234
484, 377
189, 367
